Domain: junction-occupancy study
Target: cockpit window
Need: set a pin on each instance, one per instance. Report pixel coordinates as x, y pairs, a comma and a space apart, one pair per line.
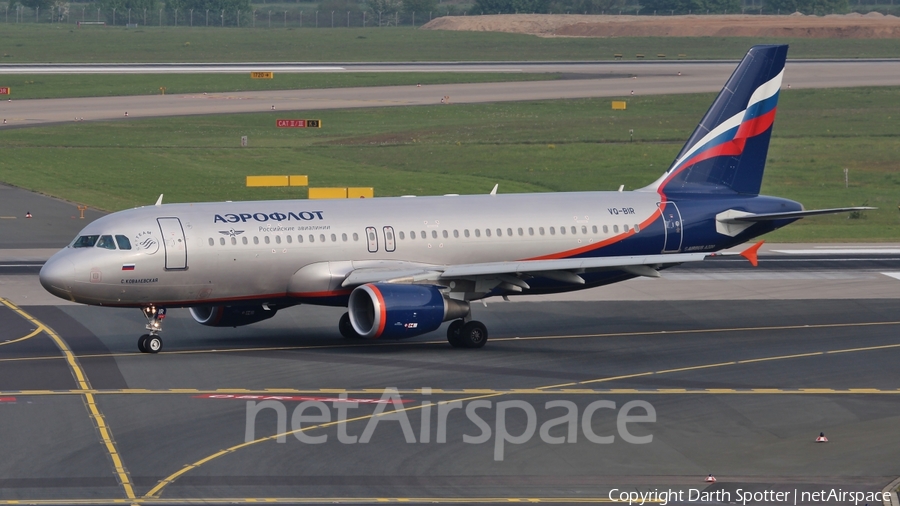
85, 241
123, 242
106, 242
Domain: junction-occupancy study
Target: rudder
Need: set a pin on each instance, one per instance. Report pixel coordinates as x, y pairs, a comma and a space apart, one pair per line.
727, 151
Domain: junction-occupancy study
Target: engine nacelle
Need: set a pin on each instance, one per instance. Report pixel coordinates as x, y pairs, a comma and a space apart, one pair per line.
230, 316
390, 311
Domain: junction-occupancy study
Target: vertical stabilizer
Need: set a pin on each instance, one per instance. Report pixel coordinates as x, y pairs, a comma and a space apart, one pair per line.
727, 151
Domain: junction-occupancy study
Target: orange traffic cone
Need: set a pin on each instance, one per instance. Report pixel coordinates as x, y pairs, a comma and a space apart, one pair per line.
710, 479
821, 438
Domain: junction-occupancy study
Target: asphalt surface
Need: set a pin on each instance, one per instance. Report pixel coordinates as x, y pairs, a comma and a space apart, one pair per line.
53, 223
739, 390
645, 79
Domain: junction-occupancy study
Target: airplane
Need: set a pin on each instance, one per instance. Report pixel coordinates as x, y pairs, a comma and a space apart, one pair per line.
403, 266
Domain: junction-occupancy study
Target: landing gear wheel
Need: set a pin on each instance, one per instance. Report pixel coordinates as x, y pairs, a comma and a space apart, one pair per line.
473, 335
153, 344
453, 333
346, 328
142, 343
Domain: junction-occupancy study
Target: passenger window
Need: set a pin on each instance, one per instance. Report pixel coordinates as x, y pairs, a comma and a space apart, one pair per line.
466, 232
594, 229
312, 238
434, 234
477, 232
355, 237
605, 229
552, 231
289, 239
530, 230
625, 227
344, 237
562, 230
424, 235
615, 229
333, 237
321, 237
574, 231
123, 242
583, 229
267, 239
402, 235
211, 242
509, 232
85, 241
499, 232
300, 238
637, 228
521, 232
222, 241
244, 240
445, 234
541, 230
456, 233
487, 232
106, 242
412, 234
233, 241
277, 239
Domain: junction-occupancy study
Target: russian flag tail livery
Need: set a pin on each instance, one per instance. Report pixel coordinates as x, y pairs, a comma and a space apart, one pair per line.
727, 151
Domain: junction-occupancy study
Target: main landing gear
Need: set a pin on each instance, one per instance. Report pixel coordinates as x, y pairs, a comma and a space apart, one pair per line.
152, 343
463, 334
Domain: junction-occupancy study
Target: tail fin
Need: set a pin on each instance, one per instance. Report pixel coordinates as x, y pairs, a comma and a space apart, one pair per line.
727, 151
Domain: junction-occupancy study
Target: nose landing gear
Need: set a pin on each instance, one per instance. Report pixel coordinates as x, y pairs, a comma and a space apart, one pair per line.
152, 343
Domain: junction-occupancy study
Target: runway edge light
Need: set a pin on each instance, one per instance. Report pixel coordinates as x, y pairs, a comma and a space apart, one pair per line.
710, 479
821, 438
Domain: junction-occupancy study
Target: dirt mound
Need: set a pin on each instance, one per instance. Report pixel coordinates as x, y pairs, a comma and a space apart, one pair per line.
573, 25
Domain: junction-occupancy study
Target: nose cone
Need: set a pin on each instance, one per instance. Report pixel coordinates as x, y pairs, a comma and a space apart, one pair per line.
57, 276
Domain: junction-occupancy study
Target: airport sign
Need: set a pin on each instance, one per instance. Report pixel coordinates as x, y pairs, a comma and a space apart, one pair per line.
298, 123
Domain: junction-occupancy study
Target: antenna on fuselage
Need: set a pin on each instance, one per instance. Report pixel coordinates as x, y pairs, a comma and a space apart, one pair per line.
494, 191
159, 200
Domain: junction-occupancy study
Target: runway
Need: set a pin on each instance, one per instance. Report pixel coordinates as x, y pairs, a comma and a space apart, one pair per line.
612, 80
739, 393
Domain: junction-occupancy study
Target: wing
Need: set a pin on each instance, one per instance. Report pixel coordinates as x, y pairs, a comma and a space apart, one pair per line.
512, 276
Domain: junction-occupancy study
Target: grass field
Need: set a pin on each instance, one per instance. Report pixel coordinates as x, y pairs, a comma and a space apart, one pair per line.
55, 43
91, 85
558, 145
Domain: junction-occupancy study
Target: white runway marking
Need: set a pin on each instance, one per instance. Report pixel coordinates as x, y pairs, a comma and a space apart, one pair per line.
840, 251
895, 275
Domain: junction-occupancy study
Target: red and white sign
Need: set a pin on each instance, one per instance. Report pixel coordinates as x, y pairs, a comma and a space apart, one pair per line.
4, 91
290, 123
298, 123
297, 398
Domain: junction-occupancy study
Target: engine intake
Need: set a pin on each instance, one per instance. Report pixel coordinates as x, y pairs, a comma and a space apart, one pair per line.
230, 316
391, 311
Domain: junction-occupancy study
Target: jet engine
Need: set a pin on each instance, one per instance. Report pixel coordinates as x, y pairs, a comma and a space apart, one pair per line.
230, 316
393, 311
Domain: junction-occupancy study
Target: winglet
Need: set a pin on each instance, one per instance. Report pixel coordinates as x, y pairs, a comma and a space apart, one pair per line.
159, 200
494, 191
750, 253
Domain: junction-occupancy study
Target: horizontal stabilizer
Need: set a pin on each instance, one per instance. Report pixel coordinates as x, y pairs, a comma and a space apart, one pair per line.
791, 214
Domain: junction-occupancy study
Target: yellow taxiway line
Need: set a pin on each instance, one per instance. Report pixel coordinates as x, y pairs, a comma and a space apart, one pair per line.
84, 388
